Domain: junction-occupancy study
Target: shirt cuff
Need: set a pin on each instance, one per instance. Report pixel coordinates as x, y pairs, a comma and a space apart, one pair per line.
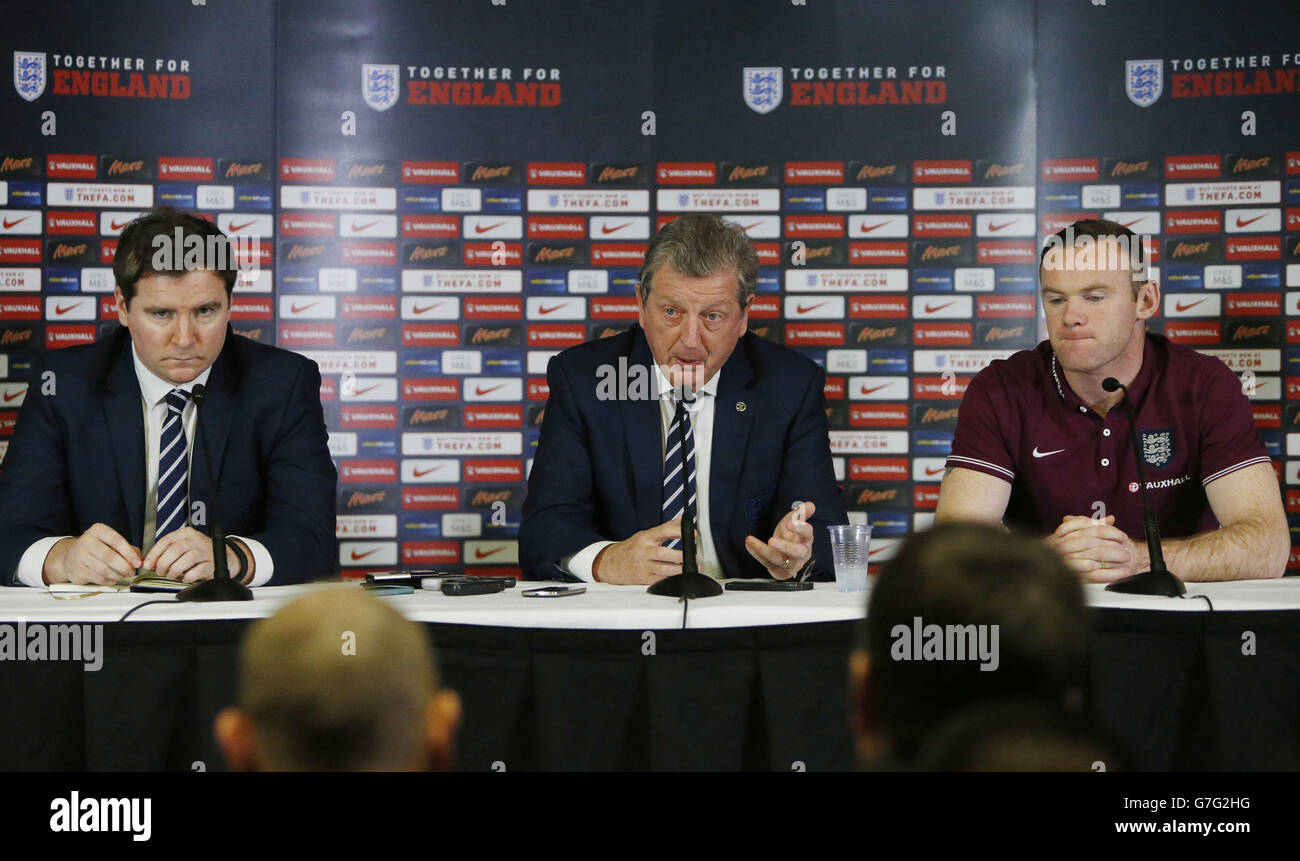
31, 568
580, 563
262, 563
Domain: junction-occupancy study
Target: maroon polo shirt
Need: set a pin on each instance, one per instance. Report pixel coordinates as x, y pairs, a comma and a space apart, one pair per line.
1020, 421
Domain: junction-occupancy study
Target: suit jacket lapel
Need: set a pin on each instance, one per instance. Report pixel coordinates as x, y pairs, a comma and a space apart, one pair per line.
733, 417
125, 418
642, 436
214, 425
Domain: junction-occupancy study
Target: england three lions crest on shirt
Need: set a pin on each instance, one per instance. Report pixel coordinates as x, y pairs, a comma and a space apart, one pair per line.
1157, 447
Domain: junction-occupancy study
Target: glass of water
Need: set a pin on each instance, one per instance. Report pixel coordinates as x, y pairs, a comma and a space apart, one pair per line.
850, 547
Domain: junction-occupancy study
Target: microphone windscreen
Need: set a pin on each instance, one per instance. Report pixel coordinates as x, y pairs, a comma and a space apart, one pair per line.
198, 393
1110, 384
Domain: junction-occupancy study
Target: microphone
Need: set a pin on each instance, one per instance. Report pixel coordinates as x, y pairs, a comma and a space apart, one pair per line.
1158, 580
690, 583
221, 587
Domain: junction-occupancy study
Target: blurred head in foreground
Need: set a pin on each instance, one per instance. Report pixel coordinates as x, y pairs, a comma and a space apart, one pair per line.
963, 613
1015, 736
338, 681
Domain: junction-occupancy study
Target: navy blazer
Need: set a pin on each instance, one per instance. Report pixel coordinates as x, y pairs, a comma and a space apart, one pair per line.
598, 470
78, 454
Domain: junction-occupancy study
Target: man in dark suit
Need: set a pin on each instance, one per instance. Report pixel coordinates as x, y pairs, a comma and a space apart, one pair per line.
686, 409
104, 474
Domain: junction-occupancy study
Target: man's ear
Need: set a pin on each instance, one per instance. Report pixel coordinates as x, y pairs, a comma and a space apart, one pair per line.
441, 721
121, 306
234, 731
1148, 303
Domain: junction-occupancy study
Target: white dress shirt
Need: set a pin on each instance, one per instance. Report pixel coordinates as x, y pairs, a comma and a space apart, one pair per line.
153, 402
580, 563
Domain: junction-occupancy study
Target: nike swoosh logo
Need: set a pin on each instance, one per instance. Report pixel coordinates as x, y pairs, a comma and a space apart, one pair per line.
1240, 223
14, 396
16, 221
356, 556
479, 390
1038, 453
479, 554
479, 228
421, 473
994, 228
234, 228
804, 309
357, 228
544, 310
929, 470
867, 391
607, 230
930, 309
63, 309
866, 229
1130, 223
1179, 306
366, 389
749, 227
115, 225
874, 552
418, 310
295, 308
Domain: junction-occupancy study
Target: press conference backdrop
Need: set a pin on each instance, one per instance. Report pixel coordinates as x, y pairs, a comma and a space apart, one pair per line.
446, 193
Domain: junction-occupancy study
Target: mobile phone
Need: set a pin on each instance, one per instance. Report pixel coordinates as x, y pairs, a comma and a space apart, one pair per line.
768, 586
553, 591
383, 589
472, 586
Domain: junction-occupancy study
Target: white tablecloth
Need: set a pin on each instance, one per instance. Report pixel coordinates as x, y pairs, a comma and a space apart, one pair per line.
603, 606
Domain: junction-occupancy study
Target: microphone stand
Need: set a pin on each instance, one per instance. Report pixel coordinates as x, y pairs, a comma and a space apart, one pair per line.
1159, 580
690, 583
221, 587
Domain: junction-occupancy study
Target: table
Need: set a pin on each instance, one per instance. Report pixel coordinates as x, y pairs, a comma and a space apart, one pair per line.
609, 680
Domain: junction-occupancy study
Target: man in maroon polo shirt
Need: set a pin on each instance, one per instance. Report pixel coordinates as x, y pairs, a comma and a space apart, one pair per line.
1040, 444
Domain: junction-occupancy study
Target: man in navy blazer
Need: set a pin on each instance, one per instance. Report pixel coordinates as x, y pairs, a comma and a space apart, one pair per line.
80, 486
599, 493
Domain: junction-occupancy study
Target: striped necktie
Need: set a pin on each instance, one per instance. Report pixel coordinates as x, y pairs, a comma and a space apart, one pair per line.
173, 467
679, 468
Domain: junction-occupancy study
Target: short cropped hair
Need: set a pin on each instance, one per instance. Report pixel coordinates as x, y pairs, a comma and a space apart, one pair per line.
337, 681
138, 246
1104, 235
700, 245
963, 574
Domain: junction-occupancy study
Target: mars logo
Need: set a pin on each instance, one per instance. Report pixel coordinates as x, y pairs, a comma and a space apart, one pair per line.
762, 88
379, 85
29, 74
1144, 81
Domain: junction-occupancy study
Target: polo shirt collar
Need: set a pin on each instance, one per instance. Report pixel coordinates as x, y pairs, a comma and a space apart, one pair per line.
1137, 389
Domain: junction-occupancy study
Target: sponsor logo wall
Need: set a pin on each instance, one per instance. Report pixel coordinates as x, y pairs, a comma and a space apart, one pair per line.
471, 203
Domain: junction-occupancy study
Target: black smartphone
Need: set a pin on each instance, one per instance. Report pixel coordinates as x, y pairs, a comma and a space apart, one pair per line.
472, 586
768, 586
382, 589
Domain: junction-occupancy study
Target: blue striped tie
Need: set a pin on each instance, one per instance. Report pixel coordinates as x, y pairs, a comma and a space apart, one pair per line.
679, 467
173, 467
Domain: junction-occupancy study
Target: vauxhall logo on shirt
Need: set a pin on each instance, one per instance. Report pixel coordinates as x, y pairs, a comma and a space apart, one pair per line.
1157, 447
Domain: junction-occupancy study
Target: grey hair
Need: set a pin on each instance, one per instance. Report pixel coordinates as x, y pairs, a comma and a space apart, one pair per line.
699, 245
